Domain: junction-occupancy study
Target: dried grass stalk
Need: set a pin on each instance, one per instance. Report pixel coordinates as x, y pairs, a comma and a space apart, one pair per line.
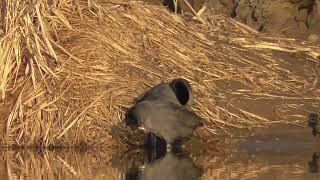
69, 70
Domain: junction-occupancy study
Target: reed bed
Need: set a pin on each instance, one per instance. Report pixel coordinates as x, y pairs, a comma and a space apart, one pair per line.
70, 69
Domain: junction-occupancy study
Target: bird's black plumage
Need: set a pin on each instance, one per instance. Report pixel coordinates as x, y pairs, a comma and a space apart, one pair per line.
163, 112
165, 119
178, 91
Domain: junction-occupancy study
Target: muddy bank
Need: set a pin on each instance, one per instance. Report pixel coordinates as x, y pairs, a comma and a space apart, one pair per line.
292, 18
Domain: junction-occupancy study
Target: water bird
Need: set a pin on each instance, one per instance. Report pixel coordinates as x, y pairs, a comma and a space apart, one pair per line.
165, 119
178, 91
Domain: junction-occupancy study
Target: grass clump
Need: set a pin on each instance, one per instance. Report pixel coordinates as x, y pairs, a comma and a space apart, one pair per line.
69, 70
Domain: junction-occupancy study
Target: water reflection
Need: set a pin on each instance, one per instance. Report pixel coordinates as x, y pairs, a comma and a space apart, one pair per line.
288, 152
313, 164
171, 165
144, 164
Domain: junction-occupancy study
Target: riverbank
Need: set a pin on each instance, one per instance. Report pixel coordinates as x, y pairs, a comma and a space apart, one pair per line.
69, 71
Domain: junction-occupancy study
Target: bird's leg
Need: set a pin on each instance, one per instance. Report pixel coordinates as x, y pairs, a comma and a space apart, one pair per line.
169, 147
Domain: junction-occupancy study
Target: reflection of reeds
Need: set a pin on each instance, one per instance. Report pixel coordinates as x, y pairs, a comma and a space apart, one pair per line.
61, 164
69, 69
99, 164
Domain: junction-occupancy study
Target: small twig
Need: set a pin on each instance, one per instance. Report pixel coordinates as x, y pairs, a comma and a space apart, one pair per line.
195, 13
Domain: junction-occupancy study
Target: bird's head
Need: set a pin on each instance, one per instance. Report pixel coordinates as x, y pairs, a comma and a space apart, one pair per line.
133, 119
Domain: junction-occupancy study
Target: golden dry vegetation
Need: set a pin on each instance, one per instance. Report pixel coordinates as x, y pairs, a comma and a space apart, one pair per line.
69, 70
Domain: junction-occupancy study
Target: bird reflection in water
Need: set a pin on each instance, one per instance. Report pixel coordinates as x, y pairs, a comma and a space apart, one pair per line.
313, 164
174, 165
313, 122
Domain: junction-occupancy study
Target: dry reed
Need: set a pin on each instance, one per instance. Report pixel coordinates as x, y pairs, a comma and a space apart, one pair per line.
69, 70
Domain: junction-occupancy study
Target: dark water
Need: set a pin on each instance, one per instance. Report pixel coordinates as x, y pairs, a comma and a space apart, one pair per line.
279, 152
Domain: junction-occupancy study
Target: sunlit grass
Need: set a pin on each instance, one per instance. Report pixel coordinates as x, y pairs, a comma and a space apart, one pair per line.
69, 70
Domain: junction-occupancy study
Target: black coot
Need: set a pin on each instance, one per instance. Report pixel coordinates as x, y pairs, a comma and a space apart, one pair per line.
165, 119
171, 98
177, 91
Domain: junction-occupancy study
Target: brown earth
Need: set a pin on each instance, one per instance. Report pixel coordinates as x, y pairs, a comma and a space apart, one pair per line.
292, 18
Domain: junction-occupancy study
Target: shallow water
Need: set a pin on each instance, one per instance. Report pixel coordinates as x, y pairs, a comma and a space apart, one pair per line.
279, 152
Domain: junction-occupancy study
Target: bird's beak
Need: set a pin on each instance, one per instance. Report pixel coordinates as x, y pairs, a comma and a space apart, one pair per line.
141, 128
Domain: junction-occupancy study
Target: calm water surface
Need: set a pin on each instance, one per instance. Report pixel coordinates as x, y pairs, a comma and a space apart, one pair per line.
281, 152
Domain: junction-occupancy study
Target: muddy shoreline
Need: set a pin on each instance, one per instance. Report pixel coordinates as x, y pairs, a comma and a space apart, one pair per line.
291, 18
